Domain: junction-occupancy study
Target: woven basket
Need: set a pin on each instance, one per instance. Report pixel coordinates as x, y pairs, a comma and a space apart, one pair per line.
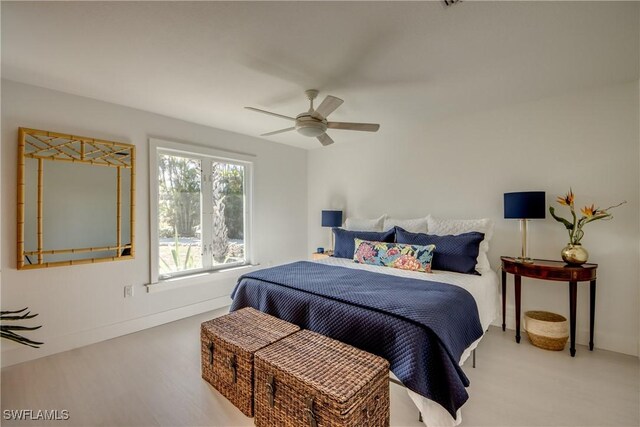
227, 347
546, 330
307, 379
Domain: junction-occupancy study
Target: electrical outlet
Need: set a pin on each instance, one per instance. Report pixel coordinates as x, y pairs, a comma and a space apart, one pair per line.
128, 291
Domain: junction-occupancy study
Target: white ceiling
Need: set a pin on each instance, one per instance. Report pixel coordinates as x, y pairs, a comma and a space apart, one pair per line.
397, 64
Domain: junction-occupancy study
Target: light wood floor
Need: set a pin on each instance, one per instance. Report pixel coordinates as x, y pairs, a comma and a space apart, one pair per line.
152, 378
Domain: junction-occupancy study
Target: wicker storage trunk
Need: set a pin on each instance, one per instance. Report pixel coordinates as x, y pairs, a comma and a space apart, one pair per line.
227, 345
310, 380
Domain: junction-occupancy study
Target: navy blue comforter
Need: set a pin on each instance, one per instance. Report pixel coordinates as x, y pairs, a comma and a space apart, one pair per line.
421, 327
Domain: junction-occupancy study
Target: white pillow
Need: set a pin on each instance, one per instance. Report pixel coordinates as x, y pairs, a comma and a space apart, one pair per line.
444, 227
362, 224
415, 225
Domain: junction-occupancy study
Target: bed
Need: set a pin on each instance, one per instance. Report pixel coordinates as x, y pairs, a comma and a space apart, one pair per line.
483, 288
262, 292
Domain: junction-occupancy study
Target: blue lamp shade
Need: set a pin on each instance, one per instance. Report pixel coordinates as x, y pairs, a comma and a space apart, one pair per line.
331, 218
525, 205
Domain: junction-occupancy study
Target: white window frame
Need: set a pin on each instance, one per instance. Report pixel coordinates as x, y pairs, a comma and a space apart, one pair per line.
208, 155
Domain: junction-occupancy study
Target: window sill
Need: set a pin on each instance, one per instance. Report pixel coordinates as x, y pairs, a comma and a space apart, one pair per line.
200, 278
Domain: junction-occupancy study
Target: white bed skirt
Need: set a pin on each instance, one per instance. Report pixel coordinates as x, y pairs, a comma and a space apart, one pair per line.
433, 414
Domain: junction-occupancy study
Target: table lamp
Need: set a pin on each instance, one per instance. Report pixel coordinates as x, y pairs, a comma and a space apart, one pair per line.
524, 205
331, 219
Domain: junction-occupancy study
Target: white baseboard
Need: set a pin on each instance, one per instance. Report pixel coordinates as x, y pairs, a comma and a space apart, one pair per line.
21, 354
15, 355
611, 342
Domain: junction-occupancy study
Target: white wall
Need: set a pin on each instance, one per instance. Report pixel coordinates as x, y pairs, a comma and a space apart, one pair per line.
83, 304
460, 167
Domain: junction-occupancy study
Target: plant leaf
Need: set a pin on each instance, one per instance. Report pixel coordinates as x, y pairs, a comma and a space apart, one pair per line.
186, 257
597, 217
175, 259
19, 328
566, 223
19, 339
166, 264
24, 316
12, 312
6, 330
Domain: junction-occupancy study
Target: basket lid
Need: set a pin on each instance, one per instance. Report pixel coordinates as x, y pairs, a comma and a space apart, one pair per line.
335, 369
249, 328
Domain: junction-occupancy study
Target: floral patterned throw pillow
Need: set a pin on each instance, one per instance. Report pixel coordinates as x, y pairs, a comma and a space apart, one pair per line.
396, 255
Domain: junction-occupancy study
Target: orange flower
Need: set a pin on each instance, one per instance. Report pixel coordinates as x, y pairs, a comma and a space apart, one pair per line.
567, 200
407, 262
589, 211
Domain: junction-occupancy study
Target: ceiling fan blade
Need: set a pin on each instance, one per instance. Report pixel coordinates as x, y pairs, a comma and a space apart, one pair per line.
366, 127
325, 139
270, 113
328, 106
278, 131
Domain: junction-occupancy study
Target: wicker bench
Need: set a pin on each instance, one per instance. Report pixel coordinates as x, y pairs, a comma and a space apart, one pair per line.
227, 347
307, 379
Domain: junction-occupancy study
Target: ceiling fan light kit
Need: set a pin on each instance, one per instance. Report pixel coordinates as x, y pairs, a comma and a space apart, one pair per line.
308, 126
313, 123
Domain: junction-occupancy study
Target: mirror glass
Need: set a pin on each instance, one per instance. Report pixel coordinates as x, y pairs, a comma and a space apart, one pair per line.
74, 200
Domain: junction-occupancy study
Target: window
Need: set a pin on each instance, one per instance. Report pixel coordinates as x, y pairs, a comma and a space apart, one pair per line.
200, 211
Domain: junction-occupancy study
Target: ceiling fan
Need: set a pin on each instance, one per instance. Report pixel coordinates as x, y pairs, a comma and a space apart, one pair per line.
314, 122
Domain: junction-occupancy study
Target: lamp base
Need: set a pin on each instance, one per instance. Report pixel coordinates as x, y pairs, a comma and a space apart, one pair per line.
332, 242
524, 258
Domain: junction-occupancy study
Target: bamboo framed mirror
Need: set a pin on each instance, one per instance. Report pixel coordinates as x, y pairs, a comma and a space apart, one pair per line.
75, 200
